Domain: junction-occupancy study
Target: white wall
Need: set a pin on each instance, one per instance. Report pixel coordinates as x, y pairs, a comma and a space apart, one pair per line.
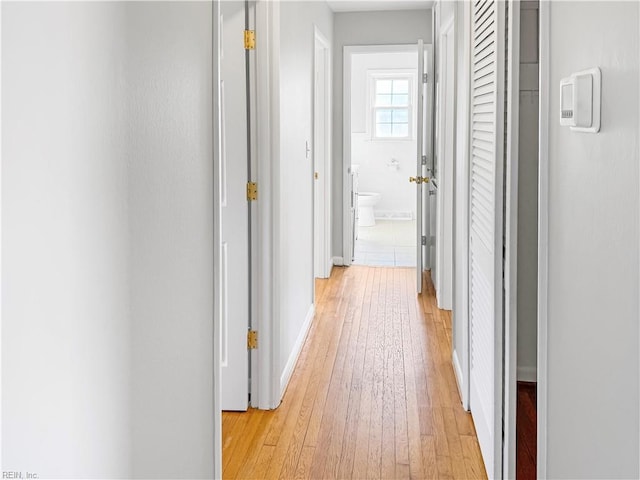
65, 311
528, 195
377, 173
106, 240
592, 424
297, 22
364, 28
170, 155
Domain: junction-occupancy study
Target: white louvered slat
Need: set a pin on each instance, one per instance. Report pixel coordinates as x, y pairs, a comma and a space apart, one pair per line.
485, 227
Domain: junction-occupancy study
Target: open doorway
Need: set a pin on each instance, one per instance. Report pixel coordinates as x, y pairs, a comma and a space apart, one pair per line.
384, 104
384, 96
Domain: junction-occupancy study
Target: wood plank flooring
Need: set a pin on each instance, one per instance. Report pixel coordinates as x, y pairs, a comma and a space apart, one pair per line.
373, 395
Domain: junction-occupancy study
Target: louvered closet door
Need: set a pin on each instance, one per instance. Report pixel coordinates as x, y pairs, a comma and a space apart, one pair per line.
485, 246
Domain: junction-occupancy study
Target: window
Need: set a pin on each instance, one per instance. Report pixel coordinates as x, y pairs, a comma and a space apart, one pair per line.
391, 107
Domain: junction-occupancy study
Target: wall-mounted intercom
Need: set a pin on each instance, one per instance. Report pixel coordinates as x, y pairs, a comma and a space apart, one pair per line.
580, 101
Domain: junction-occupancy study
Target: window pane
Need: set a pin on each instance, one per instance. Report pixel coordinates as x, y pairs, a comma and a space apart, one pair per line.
383, 130
400, 130
383, 100
384, 116
400, 86
400, 115
400, 100
384, 86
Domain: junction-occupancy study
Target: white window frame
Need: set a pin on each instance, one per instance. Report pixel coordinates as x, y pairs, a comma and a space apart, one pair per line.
400, 74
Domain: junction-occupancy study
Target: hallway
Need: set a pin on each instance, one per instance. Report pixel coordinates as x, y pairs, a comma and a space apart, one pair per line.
373, 394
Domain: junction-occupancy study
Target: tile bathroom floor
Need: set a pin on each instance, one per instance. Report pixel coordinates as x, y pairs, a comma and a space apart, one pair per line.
390, 243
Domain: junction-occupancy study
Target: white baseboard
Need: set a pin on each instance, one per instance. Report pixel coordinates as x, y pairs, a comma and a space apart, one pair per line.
393, 215
338, 261
295, 352
329, 267
527, 374
457, 370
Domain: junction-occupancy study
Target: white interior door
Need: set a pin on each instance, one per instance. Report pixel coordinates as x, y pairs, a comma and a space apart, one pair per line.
427, 155
486, 229
234, 216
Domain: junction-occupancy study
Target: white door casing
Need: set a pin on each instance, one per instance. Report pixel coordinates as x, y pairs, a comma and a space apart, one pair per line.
511, 241
433, 184
217, 241
486, 227
349, 202
444, 176
234, 268
420, 150
321, 157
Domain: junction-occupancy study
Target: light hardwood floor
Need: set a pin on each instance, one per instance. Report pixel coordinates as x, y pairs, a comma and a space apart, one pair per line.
373, 394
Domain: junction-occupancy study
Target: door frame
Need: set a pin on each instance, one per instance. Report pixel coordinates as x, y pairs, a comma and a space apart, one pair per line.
511, 243
322, 186
217, 249
544, 59
348, 51
444, 293
265, 378
461, 221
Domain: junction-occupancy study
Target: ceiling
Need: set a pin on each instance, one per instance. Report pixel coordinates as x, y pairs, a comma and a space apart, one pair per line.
377, 5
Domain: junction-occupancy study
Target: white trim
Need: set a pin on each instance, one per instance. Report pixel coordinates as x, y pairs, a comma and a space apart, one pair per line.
1, 464
461, 209
324, 247
217, 252
511, 243
527, 374
444, 218
347, 227
295, 352
264, 366
543, 234
337, 261
347, 230
420, 150
498, 294
457, 369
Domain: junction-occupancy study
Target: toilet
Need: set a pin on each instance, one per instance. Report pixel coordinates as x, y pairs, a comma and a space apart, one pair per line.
366, 202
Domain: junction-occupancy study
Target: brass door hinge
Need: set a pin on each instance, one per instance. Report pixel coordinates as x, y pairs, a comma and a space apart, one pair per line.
252, 191
249, 39
252, 339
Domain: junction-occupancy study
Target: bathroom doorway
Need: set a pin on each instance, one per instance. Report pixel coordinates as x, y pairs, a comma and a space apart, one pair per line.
383, 96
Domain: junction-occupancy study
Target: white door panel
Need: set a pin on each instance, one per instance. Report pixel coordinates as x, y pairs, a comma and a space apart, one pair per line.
486, 227
235, 230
